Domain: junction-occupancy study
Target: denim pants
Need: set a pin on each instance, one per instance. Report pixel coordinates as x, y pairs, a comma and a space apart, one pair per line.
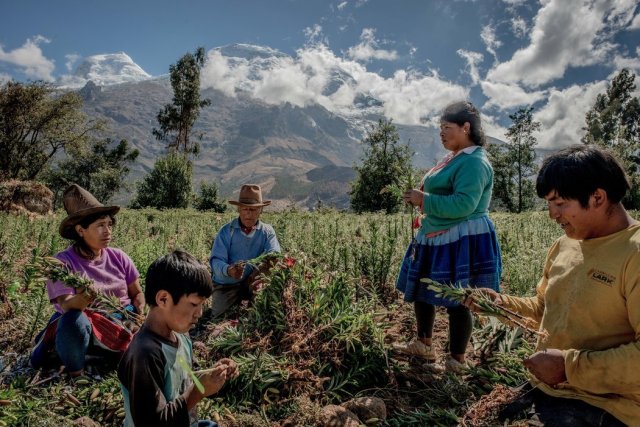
72, 339
556, 411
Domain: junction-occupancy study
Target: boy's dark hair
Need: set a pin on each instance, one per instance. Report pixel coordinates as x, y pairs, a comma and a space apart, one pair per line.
576, 172
462, 112
178, 273
85, 222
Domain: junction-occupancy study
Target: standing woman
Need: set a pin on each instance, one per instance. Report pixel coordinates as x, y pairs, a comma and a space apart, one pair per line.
456, 243
70, 331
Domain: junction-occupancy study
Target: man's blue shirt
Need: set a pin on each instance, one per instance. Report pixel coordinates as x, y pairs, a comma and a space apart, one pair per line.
232, 245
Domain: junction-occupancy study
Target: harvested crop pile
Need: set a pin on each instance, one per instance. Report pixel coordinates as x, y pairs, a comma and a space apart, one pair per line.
25, 197
484, 412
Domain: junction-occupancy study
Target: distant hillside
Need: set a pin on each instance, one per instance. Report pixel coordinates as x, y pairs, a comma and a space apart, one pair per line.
299, 151
302, 154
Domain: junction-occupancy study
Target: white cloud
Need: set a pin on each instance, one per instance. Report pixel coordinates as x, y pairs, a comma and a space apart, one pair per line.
621, 15
367, 48
342, 5
488, 36
72, 59
317, 75
313, 34
514, 2
519, 27
565, 34
632, 63
410, 98
29, 59
563, 117
289, 84
492, 128
635, 24
505, 96
4, 78
219, 74
472, 58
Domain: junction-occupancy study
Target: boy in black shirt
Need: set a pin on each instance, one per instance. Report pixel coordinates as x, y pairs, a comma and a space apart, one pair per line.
157, 387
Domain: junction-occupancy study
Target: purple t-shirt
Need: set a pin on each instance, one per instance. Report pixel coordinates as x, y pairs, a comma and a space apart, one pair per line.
111, 274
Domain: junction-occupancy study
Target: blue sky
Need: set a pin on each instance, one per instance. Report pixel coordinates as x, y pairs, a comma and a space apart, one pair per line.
416, 56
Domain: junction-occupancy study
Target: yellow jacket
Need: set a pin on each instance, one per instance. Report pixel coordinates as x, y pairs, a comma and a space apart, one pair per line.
588, 302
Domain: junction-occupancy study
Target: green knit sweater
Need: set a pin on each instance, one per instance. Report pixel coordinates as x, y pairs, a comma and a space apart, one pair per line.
459, 191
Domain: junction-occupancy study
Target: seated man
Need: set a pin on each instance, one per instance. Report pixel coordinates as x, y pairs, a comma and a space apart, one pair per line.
237, 242
585, 370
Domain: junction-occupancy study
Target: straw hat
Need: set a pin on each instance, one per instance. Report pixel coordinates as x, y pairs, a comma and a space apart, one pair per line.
79, 203
251, 197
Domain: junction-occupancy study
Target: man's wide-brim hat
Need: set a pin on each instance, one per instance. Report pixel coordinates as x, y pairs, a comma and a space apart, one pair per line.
250, 196
79, 203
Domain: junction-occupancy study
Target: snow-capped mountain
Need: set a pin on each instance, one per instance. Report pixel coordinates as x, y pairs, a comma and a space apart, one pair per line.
249, 51
299, 141
105, 70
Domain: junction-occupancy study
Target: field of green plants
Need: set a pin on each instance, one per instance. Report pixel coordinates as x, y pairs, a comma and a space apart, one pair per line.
320, 332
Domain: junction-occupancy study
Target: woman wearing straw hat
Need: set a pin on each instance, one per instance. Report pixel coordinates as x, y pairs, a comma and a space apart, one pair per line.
238, 241
72, 330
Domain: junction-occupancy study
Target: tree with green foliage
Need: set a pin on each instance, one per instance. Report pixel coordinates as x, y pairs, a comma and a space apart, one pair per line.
36, 124
384, 165
176, 120
521, 143
168, 185
503, 173
514, 163
614, 123
209, 198
101, 169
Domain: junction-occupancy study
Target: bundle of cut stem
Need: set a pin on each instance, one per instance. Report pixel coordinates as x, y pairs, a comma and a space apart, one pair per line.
49, 268
257, 262
486, 305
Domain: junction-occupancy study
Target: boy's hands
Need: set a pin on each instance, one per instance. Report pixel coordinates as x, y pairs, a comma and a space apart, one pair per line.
213, 379
231, 366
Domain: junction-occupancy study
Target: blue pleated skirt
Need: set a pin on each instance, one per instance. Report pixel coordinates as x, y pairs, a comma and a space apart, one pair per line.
466, 255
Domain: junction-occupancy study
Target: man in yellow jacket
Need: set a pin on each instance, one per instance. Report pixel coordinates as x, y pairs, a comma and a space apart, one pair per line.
586, 368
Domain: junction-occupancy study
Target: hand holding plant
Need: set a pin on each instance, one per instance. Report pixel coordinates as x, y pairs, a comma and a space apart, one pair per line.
212, 379
483, 301
236, 270
49, 268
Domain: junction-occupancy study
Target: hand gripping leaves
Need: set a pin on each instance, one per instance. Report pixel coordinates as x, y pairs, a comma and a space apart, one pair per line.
486, 305
49, 268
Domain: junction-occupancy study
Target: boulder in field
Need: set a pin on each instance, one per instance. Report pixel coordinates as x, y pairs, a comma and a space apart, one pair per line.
337, 416
367, 408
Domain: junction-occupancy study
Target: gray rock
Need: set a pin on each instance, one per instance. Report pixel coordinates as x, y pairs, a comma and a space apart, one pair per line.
337, 416
367, 408
85, 422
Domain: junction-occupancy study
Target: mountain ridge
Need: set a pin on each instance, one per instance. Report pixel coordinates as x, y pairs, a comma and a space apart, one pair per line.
298, 150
